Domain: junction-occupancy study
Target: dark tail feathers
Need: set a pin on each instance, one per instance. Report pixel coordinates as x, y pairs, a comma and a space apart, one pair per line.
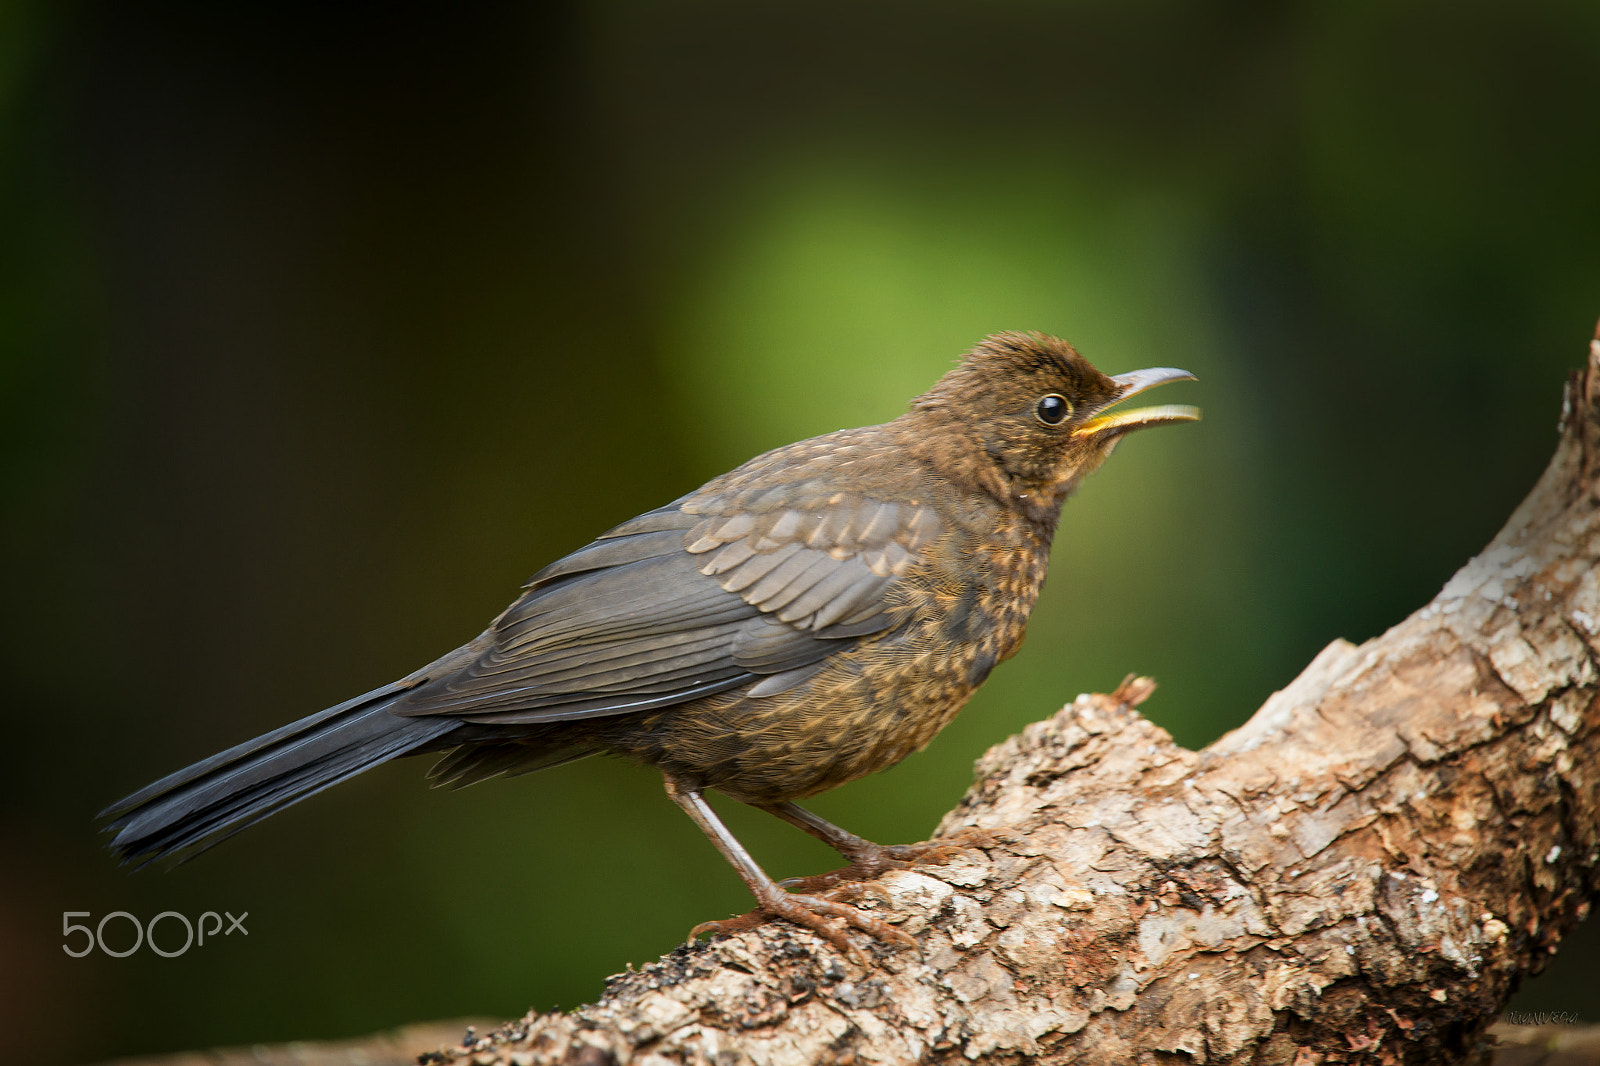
213, 799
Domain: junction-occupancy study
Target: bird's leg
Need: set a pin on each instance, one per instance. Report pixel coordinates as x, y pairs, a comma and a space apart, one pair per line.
867, 860
813, 912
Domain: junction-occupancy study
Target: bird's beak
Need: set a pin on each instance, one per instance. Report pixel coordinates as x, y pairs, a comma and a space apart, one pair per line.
1131, 384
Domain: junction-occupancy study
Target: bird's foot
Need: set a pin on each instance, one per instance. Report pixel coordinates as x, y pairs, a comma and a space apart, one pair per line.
877, 858
828, 918
816, 902
868, 860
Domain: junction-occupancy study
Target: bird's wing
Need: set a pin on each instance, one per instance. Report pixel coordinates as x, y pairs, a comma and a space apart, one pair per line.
698, 597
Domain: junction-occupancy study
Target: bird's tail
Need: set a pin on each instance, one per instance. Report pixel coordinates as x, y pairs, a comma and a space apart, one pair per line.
196, 808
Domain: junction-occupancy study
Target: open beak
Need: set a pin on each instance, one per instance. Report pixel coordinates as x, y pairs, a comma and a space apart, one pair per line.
1131, 384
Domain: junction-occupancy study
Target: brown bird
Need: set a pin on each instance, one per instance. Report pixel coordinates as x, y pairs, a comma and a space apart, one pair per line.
812, 616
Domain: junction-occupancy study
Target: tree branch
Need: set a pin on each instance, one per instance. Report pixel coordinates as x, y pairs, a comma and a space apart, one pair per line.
1359, 873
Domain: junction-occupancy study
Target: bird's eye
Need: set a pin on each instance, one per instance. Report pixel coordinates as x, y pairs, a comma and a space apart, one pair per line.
1052, 409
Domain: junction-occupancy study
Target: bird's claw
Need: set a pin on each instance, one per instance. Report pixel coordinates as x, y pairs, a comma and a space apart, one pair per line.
739, 923
868, 862
830, 918
813, 913
809, 911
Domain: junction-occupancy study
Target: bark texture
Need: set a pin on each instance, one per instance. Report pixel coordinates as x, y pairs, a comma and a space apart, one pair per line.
1358, 874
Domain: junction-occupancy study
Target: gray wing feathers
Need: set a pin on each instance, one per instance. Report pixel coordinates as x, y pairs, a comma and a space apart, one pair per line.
618, 550
610, 640
677, 604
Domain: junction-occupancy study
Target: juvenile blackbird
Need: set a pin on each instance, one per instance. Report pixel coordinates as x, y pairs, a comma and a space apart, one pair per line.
812, 616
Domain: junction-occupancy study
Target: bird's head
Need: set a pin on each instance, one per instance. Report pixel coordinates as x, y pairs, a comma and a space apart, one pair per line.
1040, 415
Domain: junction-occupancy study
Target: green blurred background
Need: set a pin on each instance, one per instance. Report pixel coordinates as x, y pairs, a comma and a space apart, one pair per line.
323, 326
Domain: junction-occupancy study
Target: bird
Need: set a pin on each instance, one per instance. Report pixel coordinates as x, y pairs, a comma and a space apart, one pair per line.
812, 616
